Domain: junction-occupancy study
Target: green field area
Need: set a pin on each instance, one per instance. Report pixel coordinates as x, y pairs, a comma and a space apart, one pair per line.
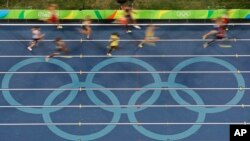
138, 4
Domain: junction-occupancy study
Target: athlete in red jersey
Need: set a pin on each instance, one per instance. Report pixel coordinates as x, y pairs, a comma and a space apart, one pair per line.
219, 32
53, 19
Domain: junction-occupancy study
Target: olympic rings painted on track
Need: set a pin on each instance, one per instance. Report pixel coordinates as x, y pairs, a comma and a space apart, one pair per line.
178, 136
141, 63
7, 77
233, 101
117, 112
93, 136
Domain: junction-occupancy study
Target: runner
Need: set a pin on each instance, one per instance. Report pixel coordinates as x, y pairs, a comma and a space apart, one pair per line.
53, 19
86, 29
128, 18
36, 37
61, 48
149, 36
113, 43
218, 33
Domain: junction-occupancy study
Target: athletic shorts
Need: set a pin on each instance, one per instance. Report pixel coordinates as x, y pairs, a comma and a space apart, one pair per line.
36, 40
114, 47
149, 37
220, 36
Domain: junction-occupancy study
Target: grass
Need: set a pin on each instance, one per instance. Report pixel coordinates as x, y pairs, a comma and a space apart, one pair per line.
138, 4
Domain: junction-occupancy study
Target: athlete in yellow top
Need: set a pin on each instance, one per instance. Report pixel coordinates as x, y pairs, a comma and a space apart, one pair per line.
113, 43
149, 36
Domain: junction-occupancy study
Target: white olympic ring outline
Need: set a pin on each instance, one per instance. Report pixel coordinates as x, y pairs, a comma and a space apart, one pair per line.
89, 82
45, 14
183, 14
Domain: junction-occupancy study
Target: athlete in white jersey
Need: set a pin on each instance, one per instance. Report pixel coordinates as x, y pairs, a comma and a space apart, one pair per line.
36, 37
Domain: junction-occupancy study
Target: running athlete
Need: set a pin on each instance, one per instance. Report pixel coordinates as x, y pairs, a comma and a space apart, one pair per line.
225, 21
86, 29
36, 37
61, 48
129, 18
113, 43
149, 36
219, 33
53, 19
